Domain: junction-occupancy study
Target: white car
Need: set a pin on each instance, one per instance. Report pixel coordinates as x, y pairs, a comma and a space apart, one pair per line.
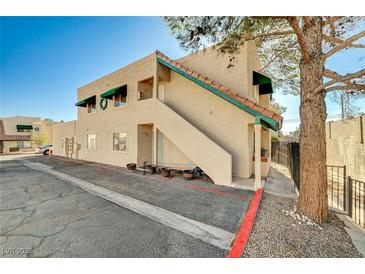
43, 149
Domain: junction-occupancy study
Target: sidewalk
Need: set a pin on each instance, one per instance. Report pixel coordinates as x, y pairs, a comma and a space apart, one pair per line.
279, 182
356, 234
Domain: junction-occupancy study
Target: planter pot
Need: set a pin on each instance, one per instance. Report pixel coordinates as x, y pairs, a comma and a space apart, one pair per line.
188, 175
151, 169
264, 152
165, 172
131, 166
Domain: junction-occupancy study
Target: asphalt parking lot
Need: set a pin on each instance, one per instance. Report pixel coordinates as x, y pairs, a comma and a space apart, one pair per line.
42, 215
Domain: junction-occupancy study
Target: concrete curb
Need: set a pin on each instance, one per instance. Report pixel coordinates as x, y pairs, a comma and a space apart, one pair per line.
244, 231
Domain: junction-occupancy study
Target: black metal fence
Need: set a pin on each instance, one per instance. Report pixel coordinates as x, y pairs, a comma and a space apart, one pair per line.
279, 153
344, 192
337, 187
287, 154
356, 201
293, 163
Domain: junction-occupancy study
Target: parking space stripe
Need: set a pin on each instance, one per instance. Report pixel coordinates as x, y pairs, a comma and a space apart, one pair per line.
245, 229
209, 234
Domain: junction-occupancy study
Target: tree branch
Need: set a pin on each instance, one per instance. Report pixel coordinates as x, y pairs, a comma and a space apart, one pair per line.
294, 23
337, 78
276, 33
331, 74
332, 19
347, 88
333, 39
344, 44
343, 78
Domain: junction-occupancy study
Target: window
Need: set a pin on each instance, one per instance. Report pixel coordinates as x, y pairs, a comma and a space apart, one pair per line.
24, 144
91, 141
91, 107
145, 89
120, 141
120, 100
24, 130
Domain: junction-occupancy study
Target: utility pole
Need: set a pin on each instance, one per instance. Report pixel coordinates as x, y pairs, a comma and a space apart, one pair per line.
342, 108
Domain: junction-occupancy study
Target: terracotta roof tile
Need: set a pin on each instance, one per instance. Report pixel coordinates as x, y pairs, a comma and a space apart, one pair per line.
231, 93
195, 74
268, 113
247, 102
5, 137
223, 89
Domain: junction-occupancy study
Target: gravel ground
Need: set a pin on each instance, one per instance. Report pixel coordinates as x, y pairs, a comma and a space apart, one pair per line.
276, 234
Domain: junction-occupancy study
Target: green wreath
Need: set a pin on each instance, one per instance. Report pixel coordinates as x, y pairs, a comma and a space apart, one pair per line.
103, 103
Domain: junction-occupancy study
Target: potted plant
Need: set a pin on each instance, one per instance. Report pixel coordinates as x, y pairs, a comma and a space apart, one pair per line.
264, 152
151, 169
165, 172
131, 166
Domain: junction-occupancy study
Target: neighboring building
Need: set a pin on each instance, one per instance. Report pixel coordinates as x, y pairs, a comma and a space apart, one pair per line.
292, 137
17, 132
345, 142
203, 110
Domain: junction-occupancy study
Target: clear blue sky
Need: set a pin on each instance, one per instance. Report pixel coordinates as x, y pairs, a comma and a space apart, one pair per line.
45, 59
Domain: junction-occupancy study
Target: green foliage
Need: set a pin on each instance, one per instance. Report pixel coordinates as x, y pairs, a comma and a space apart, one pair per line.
279, 54
275, 38
14, 149
275, 106
39, 139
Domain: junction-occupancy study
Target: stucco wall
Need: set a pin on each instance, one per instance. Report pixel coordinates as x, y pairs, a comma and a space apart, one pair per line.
8, 144
10, 127
113, 119
171, 156
60, 132
344, 146
225, 126
11, 122
231, 70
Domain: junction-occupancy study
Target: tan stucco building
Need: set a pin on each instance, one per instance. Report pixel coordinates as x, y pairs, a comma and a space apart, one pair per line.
345, 143
17, 133
204, 110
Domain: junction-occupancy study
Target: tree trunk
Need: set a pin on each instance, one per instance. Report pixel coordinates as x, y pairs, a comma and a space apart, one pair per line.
313, 172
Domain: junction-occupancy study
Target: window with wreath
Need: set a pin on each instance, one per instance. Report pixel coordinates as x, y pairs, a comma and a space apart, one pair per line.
120, 141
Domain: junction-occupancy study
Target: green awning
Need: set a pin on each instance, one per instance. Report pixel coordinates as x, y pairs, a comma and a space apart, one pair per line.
24, 126
114, 91
264, 82
90, 100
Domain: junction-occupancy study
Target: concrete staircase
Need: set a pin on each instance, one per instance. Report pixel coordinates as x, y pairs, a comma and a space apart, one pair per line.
209, 156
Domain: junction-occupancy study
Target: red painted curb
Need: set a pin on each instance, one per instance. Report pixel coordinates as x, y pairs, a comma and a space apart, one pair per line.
240, 242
